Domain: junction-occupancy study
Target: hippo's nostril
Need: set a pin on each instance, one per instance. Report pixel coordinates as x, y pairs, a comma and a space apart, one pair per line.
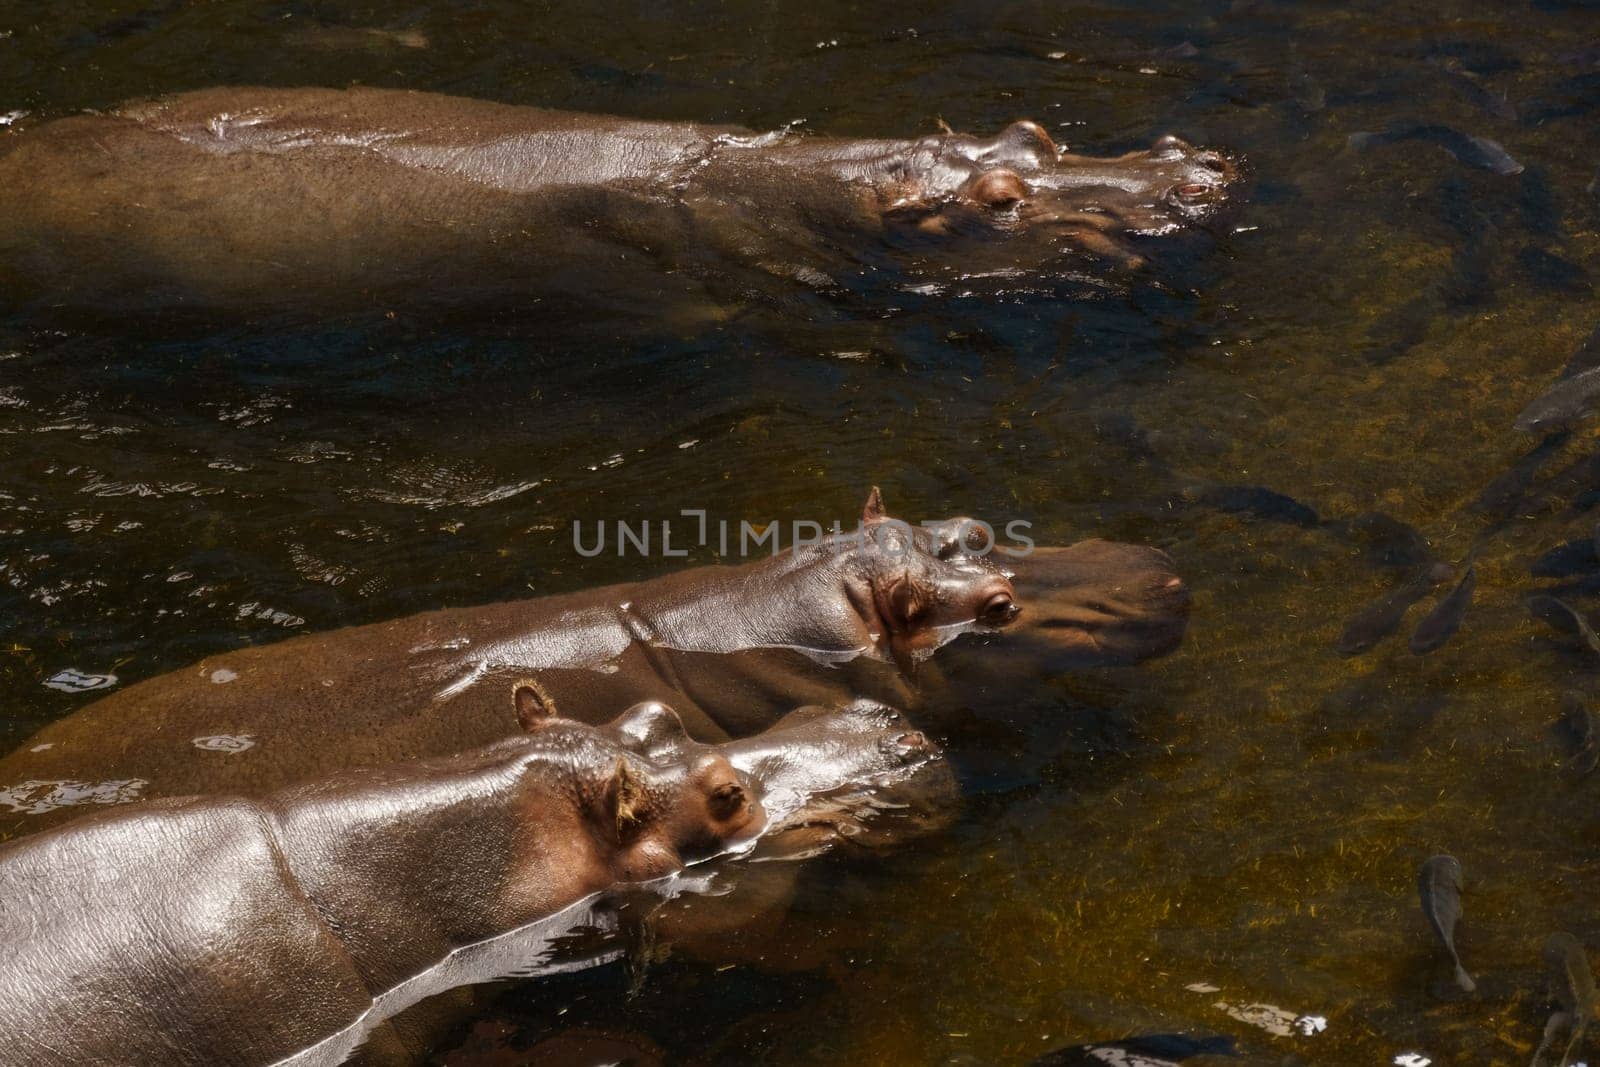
1212, 161
914, 741
1193, 190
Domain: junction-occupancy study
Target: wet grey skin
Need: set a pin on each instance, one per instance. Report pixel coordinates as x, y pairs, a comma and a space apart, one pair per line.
1579, 721
235, 200
1441, 624
221, 930
341, 889
1572, 986
1381, 618
732, 648
1439, 885
1478, 152
1565, 402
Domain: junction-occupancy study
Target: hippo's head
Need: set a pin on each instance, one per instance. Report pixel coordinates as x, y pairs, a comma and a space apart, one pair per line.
1016, 202
816, 767
915, 595
1095, 603
656, 810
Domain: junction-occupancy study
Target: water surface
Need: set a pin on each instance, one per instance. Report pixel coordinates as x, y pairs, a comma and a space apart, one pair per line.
1152, 849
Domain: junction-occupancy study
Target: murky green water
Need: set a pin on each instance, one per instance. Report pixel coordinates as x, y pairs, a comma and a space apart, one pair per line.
1247, 815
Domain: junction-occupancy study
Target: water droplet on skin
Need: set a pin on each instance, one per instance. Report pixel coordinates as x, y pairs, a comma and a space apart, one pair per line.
228, 743
72, 680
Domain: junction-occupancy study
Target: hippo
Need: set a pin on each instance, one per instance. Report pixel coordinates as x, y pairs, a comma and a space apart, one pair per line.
259, 200
731, 647
299, 925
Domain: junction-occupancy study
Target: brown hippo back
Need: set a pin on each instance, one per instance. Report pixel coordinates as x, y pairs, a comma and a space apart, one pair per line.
229, 931
320, 200
733, 648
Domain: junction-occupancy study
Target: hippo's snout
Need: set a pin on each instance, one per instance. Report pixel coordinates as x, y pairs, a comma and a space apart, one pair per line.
1200, 178
909, 748
1053, 206
1102, 603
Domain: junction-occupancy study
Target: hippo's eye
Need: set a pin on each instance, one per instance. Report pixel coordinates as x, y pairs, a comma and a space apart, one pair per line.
999, 610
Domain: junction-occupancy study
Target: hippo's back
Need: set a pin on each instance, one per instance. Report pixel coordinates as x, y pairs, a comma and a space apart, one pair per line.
240, 198
164, 935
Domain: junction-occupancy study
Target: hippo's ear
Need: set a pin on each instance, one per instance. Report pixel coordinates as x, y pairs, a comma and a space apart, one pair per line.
625, 801
535, 707
873, 511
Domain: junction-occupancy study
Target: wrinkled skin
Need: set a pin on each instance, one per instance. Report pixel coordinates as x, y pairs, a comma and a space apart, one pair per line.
316, 200
732, 648
225, 930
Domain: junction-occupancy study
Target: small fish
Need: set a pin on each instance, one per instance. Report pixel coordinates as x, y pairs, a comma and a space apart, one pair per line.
1558, 1021
1478, 152
1564, 617
1400, 329
1149, 1050
1304, 90
1386, 541
1568, 98
1577, 485
1579, 722
1587, 357
1439, 885
1441, 624
1538, 205
1577, 556
1470, 84
357, 38
1550, 271
1562, 403
1256, 500
1572, 984
1508, 491
1380, 619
